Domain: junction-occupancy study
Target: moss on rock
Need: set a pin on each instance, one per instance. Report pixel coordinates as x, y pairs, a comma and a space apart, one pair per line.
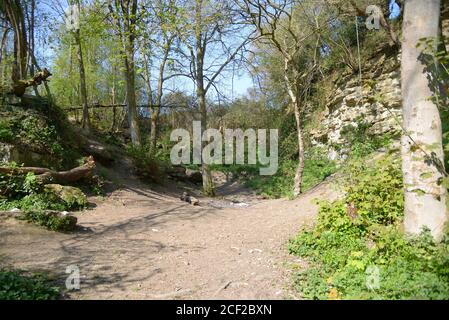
73, 197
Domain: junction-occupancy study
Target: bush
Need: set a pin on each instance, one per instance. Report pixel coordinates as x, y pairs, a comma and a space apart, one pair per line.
316, 169
51, 222
16, 186
146, 166
361, 233
14, 285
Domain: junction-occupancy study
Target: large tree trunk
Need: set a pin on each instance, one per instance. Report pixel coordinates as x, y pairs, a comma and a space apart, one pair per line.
14, 13
128, 36
422, 151
208, 183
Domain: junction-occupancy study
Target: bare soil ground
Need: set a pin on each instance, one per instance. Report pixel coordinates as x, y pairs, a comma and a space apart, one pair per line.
142, 242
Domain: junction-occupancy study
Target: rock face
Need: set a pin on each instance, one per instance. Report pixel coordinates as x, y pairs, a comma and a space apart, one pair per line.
14, 153
375, 105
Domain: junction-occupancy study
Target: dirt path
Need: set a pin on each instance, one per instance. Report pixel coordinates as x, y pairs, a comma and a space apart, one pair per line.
144, 244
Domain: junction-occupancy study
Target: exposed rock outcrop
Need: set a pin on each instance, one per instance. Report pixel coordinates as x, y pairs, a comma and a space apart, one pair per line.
375, 104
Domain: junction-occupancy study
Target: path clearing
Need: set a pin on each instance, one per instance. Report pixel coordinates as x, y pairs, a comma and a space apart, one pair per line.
144, 244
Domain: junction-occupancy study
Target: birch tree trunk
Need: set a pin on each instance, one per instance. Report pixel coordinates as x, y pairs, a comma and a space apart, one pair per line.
422, 151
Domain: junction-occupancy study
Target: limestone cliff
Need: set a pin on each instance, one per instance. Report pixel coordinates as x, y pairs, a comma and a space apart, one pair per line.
374, 103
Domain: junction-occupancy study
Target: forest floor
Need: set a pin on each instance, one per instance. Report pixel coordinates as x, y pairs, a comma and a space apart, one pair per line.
143, 242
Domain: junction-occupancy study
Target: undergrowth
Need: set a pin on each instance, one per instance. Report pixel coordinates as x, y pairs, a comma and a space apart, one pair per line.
357, 249
16, 285
24, 192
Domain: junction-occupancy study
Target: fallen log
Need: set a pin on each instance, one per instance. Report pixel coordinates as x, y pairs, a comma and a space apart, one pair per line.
45, 175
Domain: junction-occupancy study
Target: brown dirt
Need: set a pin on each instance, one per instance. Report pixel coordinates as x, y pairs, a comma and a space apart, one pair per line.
144, 243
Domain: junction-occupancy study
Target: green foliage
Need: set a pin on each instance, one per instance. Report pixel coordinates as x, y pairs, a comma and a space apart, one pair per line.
41, 131
41, 201
15, 285
51, 222
317, 168
70, 198
360, 142
6, 133
362, 231
147, 166
15, 186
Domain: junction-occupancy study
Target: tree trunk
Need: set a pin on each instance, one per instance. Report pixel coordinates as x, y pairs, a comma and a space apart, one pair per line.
114, 101
130, 72
14, 13
293, 92
157, 110
208, 183
422, 151
155, 113
131, 99
83, 89
297, 189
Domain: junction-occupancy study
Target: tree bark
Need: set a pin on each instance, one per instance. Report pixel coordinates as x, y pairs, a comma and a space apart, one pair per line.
422, 151
297, 189
129, 36
293, 92
208, 183
45, 175
14, 13
83, 88
19, 87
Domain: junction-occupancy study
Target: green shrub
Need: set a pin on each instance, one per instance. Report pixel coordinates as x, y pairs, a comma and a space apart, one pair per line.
51, 222
41, 201
361, 232
6, 133
316, 169
15, 285
147, 166
16, 186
